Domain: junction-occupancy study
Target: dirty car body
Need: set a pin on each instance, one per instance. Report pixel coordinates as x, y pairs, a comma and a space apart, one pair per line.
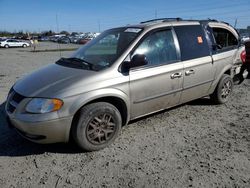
123, 74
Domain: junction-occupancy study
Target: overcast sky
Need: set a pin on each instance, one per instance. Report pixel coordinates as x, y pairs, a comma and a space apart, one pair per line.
95, 15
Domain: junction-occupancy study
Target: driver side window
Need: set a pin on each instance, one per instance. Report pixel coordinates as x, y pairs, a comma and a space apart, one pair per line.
159, 48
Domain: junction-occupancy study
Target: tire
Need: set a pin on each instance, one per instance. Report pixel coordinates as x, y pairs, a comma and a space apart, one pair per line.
24, 45
6, 46
223, 90
95, 120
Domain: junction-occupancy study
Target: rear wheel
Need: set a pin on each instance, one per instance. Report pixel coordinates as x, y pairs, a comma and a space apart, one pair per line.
223, 90
24, 45
6, 46
98, 126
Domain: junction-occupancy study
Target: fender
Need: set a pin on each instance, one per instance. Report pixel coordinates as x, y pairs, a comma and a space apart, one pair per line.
79, 101
227, 68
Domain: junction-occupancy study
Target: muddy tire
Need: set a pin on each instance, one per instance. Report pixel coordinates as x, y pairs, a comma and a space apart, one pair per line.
223, 90
98, 126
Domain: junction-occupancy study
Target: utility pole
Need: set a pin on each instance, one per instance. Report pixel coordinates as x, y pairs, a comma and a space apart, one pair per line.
57, 27
99, 26
155, 14
69, 28
235, 23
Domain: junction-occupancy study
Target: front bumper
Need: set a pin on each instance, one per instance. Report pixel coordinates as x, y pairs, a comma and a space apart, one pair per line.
39, 128
44, 132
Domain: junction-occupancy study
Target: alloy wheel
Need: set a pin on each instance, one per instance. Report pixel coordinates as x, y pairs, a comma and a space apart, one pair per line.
101, 129
226, 89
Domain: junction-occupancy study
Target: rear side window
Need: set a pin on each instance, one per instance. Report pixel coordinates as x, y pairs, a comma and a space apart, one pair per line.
193, 43
224, 38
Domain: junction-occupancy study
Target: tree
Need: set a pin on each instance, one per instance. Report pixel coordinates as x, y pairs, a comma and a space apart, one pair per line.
48, 33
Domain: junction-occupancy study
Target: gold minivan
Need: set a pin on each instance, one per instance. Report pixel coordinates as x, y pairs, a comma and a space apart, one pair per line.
125, 73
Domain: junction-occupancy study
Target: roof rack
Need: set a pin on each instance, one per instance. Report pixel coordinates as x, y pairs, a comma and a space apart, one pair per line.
162, 20
180, 19
213, 20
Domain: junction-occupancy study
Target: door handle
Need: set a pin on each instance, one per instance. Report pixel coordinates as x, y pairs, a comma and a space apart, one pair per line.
189, 72
176, 75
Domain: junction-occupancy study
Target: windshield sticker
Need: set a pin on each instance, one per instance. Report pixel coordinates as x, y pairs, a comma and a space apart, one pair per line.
133, 30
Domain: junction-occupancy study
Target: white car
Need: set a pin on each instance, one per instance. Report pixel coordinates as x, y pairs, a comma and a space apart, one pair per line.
245, 37
13, 43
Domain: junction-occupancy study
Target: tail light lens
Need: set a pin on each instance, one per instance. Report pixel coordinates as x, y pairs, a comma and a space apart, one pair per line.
243, 56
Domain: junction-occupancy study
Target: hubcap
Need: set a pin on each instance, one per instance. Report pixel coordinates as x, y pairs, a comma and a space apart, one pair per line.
101, 129
226, 89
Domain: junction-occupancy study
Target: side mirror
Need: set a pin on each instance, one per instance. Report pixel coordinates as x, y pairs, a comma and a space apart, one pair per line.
136, 61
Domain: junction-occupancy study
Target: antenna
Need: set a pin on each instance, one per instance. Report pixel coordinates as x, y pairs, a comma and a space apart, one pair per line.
57, 27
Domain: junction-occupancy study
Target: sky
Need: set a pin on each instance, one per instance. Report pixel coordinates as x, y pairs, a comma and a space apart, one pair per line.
99, 15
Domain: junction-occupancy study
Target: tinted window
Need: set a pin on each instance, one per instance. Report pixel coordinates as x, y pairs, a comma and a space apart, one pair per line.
158, 47
224, 38
193, 43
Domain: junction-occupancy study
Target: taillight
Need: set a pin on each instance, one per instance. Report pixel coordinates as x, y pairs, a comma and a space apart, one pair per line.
243, 56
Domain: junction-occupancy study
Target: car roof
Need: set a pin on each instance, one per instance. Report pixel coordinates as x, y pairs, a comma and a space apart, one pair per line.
161, 22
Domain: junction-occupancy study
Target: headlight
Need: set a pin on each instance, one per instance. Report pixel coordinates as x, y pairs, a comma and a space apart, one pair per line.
40, 105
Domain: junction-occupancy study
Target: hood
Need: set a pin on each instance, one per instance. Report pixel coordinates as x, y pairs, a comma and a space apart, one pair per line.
52, 81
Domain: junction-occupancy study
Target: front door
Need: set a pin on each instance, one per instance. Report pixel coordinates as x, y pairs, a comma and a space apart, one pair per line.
157, 85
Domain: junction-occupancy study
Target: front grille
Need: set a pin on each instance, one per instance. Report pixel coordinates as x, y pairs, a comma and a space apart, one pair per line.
14, 99
17, 97
11, 108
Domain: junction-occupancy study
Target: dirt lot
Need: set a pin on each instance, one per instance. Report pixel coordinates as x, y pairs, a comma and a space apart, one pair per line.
194, 145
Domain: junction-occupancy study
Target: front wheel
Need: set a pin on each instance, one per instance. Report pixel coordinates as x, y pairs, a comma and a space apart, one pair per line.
24, 45
223, 90
6, 46
98, 126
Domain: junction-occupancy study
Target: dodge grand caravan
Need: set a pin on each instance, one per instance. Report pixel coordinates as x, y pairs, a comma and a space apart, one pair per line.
123, 74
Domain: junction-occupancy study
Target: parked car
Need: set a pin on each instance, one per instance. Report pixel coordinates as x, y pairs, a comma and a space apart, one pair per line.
245, 37
87, 37
84, 40
55, 38
14, 43
43, 38
74, 39
2, 39
64, 40
148, 67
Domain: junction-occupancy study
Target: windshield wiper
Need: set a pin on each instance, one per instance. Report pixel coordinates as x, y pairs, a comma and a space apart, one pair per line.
78, 62
81, 61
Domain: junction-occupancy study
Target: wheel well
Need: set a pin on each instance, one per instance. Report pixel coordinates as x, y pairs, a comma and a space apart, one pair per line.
228, 72
117, 102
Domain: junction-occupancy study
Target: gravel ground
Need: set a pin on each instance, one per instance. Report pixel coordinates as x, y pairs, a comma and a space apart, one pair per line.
193, 145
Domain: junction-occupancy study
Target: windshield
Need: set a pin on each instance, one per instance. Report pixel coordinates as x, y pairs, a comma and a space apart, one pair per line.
104, 50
